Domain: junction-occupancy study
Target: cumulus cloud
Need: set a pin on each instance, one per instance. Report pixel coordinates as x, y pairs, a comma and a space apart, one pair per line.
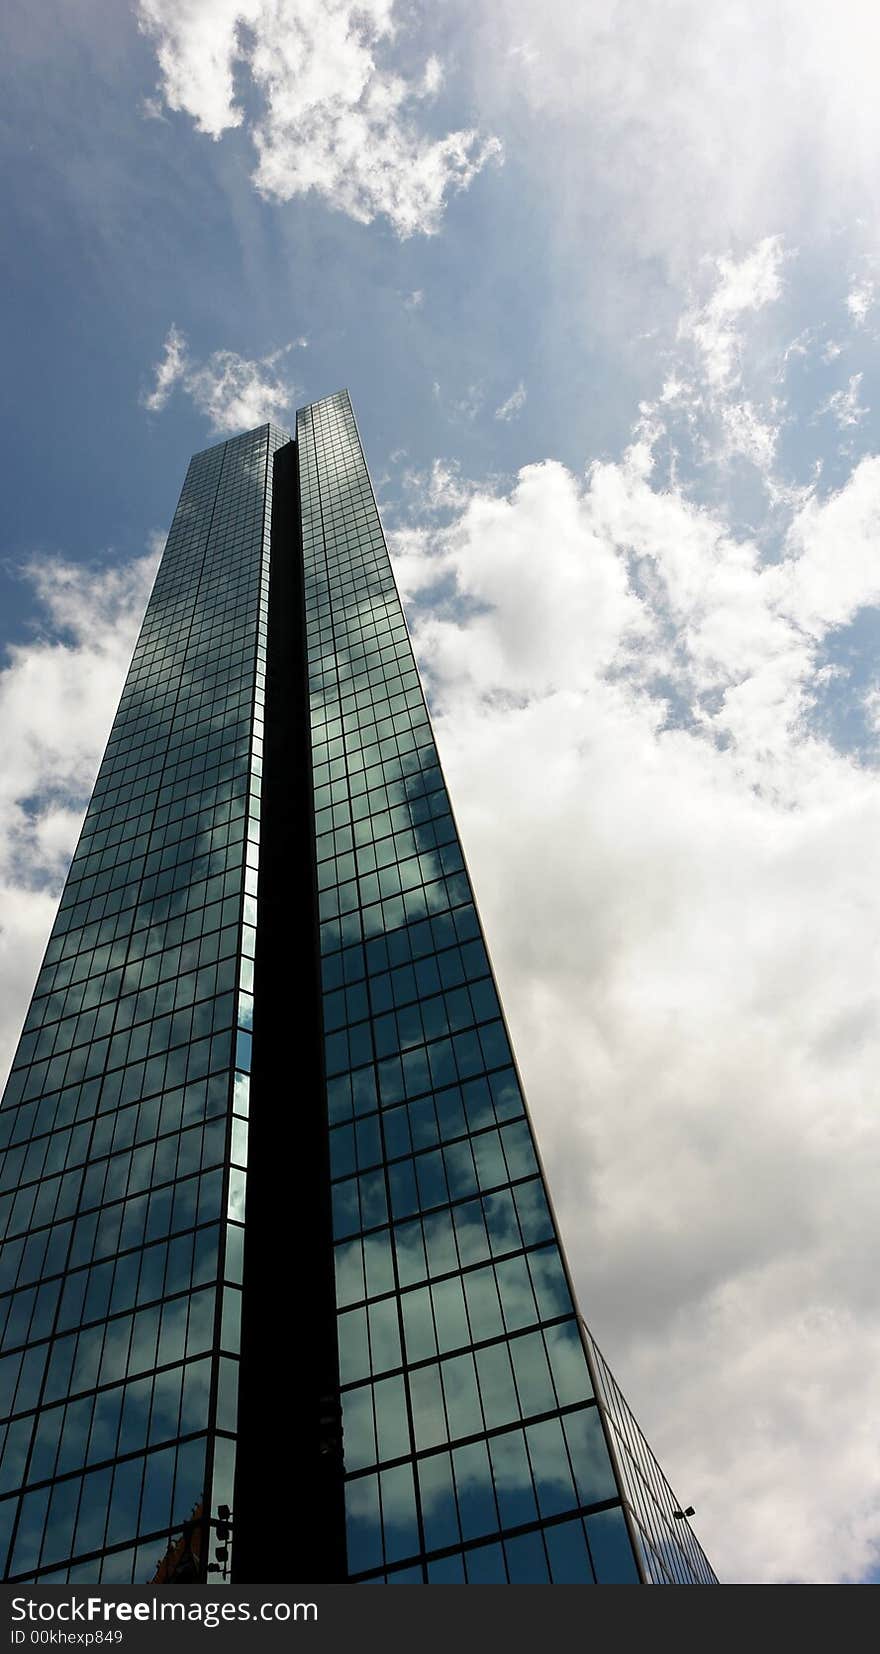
513, 405
332, 117
232, 392
624, 691
58, 693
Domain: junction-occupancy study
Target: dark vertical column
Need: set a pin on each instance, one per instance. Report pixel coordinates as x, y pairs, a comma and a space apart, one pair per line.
289, 1522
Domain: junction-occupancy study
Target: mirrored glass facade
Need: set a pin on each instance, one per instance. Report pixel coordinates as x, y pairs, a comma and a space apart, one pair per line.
670, 1550
123, 1125
413, 1369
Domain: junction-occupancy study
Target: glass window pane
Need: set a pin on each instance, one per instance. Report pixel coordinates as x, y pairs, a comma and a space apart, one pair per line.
569, 1559
513, 1479
526, 1561
610, 1548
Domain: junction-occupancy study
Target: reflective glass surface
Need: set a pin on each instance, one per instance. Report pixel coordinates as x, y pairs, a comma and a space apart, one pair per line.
124, 1123
671, 1553
484, 1439
474, 1448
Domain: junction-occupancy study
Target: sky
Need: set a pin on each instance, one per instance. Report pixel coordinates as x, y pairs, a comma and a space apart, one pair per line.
604, 284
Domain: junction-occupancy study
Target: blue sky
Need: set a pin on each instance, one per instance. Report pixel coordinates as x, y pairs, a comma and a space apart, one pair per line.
605, 289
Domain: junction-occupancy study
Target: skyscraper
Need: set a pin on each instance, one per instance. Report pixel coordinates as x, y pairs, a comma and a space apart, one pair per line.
283, 1293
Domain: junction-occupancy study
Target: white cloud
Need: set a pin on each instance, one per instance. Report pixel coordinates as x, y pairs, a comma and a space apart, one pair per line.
152, 110
169, 370
414, 300
871, 704
465, 407
750, 435
741, 286
441, 490
57, 698
233, 393
860, 300
514, 404
333, 119
832, 569
526, 51
704, 399
623, 694
432, 79
675, 120
844, 405
735, 381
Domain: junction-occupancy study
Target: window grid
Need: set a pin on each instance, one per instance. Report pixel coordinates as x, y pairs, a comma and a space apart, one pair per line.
123, 1125
477, 1413
474, 1448
671, 1552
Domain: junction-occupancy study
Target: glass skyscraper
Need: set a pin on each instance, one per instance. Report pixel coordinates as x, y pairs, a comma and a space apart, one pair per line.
283, 1296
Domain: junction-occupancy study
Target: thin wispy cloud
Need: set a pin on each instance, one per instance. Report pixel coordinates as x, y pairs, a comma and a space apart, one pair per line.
462, 407
232, 392
170, 370
514, 404
711, 157
332, 118
844, 405
861, 300
719, 417
740, 286
152, 110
